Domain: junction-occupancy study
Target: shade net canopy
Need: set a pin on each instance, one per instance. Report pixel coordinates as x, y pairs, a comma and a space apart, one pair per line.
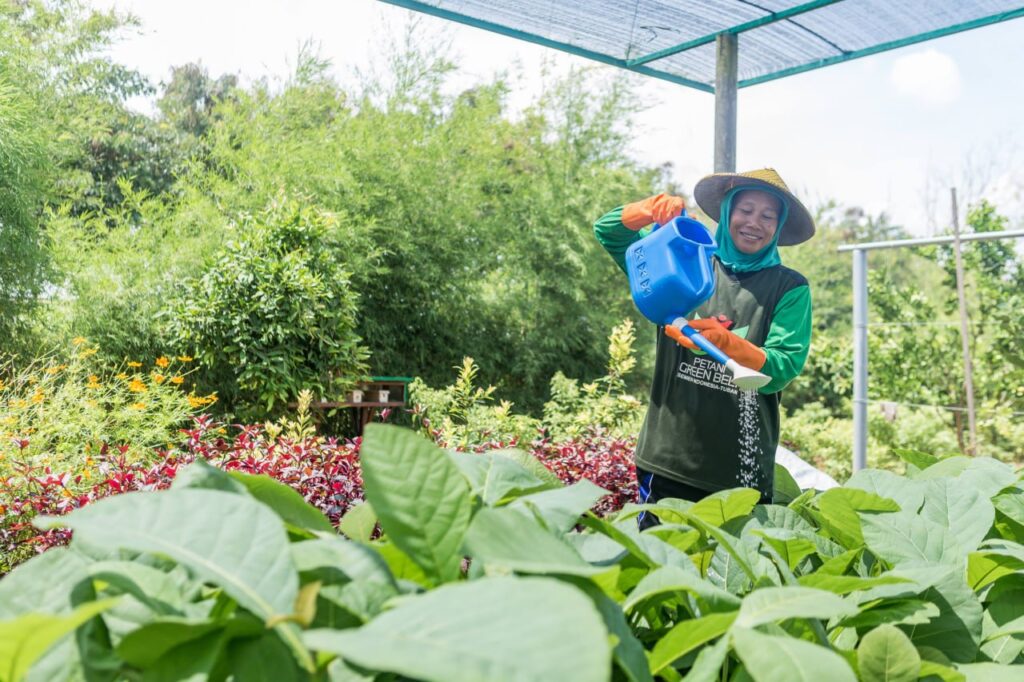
675, 39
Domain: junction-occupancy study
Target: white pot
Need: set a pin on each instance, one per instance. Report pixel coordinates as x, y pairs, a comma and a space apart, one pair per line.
383, 396
357, 396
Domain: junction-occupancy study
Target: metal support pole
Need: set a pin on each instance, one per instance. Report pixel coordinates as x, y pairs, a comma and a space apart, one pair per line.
725, 102
860, 359
965, 338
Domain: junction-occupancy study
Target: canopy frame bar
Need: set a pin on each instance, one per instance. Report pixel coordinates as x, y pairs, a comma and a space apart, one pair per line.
770, 18
883, 47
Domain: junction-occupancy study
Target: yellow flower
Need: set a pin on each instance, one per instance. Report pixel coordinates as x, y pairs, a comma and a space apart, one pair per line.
37, 397
2, 385
132, 363
54, 370
136, 386
185, 358
86, 353
91, 403
162, 361
121, 375
177, 380
158, 378
139, 406
212, 398
79, 340
196, 401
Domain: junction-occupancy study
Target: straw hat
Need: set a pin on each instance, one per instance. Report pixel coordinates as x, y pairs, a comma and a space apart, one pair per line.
799, 226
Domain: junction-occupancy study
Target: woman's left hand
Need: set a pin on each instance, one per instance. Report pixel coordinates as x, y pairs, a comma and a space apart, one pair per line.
736, 347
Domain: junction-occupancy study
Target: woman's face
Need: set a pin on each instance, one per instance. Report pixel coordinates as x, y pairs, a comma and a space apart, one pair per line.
754, 220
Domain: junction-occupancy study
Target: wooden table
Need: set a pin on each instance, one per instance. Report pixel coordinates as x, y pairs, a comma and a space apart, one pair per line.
365, 409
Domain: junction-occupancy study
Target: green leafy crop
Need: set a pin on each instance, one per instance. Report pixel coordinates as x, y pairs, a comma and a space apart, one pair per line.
489, 569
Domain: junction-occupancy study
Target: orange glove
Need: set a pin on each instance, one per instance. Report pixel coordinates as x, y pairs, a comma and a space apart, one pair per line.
657, 209
737, 348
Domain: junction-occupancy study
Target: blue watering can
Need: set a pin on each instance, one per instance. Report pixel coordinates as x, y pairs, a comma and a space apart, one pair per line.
670, 275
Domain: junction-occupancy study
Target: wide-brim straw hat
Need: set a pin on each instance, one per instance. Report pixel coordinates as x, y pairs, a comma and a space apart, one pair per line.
709, 192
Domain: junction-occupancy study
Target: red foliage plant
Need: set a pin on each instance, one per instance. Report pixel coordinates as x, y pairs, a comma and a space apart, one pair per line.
325, 471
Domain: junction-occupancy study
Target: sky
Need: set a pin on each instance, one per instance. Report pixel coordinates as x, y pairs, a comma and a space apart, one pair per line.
889, 133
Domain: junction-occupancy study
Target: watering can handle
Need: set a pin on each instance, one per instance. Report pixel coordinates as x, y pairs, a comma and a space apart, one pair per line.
705, 345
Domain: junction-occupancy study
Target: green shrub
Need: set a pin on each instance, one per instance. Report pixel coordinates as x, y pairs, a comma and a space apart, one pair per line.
57, 409
274, 313
462, 415
602, 404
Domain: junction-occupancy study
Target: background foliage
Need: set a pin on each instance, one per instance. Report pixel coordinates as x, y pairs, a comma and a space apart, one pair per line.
449, 224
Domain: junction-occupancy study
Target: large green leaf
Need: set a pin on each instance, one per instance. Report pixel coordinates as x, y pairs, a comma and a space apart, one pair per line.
956, 631
686, 636
1011, 503
202, 474
491, 629
359, 522
24, 639
227, 539
263, 659
531, 464
776, 516
285, 502
42, 584
961, 509
770, 604
420, 496
988, 475
991, 672
844, 584
561, 508
790, 546
908, 538
334, 553
669, 579
495, 478
785, 488
920, 460
145, 645
839, 507
628, 654
719, 507
894, 612
784, 659
886, 654
157, 590
506, 538
709, 662
907, 493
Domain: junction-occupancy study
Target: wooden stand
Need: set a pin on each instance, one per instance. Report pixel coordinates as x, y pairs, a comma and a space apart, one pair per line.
363, 410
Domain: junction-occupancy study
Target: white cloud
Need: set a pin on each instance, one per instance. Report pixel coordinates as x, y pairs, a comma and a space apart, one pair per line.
929, 75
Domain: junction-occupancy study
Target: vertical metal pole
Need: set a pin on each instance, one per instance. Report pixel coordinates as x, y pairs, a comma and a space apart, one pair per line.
965, 342
725, 102
860, 359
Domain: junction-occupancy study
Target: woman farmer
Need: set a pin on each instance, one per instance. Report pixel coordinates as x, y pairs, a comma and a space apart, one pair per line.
701, 433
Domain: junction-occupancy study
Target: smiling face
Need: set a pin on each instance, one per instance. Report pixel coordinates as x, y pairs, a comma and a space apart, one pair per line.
754, 220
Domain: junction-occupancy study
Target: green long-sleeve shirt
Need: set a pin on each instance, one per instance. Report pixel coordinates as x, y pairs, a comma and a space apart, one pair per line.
699, 429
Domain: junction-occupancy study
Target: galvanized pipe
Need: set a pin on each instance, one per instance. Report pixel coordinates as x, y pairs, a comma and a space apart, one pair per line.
860, 359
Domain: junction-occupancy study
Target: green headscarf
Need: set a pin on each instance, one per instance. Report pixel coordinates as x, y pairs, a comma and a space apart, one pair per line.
731, 256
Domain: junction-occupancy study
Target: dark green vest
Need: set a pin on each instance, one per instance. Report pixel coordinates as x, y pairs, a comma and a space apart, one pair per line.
700, 429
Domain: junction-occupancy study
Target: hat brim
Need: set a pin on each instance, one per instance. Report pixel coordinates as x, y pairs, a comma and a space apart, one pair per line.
709, 192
